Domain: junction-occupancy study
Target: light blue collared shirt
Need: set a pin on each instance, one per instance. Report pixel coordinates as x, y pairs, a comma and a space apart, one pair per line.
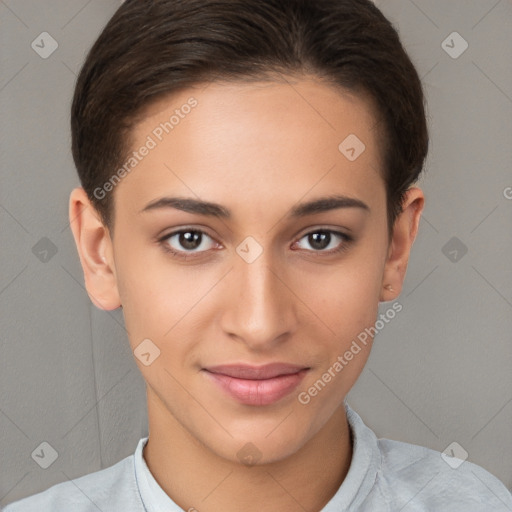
384, 476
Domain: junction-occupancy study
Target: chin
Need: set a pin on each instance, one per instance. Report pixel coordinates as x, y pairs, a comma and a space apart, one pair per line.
260, 446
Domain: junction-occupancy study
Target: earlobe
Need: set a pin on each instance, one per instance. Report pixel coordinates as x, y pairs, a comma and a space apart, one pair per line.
94, 245
404, 233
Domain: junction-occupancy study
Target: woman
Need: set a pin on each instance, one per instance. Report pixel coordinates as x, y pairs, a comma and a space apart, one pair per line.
248, 199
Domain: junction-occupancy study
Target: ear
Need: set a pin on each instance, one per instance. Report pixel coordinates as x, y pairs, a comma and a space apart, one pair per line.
404, 233
94, 246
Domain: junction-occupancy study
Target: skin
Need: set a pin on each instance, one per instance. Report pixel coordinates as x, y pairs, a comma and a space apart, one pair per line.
257, 149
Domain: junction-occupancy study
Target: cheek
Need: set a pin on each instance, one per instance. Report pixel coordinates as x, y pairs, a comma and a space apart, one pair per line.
345, 295
346, 302
145, 291
159, 297
344, 299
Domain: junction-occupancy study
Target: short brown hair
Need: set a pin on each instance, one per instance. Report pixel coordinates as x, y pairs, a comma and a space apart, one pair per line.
153, 48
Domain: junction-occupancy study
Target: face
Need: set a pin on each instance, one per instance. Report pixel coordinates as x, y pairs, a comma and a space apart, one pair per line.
258, 278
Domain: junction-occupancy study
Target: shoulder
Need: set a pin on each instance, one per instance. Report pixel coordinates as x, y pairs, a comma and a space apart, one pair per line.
110, 489
429, 480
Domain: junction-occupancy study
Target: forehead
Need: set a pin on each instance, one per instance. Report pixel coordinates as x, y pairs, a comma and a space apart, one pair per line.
274, 140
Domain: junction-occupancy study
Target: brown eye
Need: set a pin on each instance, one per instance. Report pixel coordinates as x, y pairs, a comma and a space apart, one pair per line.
187, 241
323, 239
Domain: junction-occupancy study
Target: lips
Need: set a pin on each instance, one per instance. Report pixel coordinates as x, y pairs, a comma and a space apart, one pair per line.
257, 385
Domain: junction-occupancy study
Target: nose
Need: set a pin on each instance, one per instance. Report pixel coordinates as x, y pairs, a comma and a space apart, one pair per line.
260, 310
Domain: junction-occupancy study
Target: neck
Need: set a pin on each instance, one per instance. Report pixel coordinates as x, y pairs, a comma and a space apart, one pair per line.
199, 480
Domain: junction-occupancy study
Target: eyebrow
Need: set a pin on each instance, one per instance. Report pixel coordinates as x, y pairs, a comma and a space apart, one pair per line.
199, 207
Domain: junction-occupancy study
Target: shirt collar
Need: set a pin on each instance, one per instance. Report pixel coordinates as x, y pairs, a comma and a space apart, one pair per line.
364, 467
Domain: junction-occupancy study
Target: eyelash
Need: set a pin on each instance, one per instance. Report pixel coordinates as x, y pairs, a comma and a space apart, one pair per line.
346, 241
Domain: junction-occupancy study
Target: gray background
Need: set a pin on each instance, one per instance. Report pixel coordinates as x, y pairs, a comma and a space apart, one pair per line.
439, 372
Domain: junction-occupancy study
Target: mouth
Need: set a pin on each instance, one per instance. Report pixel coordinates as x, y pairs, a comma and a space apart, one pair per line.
257, 385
